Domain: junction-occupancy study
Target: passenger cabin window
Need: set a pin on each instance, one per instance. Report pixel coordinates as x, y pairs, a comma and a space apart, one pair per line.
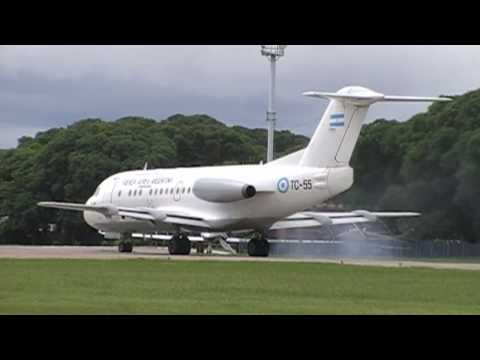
135, 193
161, 191
119, 193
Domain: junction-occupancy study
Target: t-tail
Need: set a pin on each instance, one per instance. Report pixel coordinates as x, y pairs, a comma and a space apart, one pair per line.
335, 138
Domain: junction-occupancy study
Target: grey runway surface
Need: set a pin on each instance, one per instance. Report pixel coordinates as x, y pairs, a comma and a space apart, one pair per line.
144, 252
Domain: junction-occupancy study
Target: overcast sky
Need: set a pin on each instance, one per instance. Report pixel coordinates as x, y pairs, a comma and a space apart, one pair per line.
53, 86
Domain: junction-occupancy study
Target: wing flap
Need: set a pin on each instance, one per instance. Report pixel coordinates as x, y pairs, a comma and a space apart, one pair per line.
137, 216
311, 219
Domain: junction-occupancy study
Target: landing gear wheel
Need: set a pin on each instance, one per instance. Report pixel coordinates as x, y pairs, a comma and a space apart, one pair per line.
179, 245
258, 247
125, 247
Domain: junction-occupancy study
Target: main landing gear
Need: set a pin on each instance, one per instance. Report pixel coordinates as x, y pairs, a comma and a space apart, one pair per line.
179, 245
258, 247
126, 244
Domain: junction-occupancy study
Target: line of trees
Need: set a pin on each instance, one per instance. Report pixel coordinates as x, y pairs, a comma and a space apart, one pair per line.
430, 164
67, 164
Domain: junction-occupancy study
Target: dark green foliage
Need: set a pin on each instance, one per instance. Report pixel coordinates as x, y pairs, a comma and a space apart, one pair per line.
68, 164
429, 164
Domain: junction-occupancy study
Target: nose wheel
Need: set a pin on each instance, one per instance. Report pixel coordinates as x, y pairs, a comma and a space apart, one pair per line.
258, 247
125, 247
179, 245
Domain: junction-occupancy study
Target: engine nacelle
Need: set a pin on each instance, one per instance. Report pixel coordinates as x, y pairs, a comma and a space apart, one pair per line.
223, 190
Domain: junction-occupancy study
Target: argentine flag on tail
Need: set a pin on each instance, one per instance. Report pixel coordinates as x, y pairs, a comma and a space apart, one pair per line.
337, 120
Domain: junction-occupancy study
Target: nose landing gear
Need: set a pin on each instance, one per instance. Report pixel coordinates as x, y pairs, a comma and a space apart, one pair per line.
125, 247
126, 244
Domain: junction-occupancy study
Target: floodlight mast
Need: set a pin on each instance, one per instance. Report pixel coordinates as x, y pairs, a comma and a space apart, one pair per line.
272, 53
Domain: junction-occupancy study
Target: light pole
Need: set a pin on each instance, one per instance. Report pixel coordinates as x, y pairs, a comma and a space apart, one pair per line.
272, 53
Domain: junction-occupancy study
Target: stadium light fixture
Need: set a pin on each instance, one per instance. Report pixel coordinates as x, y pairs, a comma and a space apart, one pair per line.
272, 53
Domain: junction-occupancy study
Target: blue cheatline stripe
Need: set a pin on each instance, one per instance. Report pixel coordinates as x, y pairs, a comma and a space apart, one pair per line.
337, 116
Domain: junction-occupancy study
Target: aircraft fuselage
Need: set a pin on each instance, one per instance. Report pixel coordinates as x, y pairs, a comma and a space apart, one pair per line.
280, 192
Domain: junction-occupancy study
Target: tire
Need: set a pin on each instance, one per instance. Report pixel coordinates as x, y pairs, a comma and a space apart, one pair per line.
171, 247
186, 246
125, 247
251, 248
258, 248
266, 248
179, 245
128, 247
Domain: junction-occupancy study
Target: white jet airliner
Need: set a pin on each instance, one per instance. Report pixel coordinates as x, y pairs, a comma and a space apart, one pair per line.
245, 198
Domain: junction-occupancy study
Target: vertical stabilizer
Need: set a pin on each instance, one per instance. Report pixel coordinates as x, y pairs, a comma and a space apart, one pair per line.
335, 138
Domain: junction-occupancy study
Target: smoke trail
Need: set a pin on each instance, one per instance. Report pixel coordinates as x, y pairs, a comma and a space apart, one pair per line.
371, 240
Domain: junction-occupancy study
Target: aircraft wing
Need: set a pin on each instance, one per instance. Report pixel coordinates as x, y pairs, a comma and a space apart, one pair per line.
166, 237
107, 210
136, 213
310, 218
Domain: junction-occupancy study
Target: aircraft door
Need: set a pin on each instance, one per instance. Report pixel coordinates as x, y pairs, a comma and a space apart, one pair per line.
109, 197
177, 192
150, 196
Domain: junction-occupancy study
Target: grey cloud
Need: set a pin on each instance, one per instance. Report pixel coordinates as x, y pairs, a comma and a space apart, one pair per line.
43, 87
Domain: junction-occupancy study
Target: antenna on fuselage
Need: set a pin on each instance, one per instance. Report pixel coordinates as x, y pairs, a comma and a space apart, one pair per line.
145, 167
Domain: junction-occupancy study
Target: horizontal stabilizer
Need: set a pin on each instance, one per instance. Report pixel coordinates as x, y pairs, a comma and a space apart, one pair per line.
361, 98
364, 96
414, 99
